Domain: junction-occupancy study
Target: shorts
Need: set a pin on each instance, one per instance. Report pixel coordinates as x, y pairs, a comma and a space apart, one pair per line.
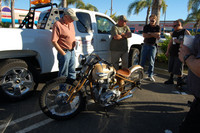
175, 66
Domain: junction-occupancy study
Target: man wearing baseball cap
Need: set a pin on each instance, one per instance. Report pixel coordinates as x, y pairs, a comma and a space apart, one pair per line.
63, 39
119, 45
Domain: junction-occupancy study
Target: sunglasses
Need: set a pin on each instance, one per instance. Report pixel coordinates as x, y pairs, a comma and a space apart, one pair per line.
152, 21
175, 26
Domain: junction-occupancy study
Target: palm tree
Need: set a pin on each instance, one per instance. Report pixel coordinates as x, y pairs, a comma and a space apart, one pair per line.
81, 5
157, 4
139, 5
65, 3
193, 3
194, 16
13, 13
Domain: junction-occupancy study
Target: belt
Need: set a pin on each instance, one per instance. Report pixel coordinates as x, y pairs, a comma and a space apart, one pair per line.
68, 50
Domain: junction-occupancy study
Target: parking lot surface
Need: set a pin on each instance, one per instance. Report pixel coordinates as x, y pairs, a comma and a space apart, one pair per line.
157, 108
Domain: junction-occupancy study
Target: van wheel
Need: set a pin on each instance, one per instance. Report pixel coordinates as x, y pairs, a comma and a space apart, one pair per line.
16, 81
134, 57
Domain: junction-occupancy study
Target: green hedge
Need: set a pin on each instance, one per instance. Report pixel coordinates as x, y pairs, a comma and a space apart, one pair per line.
5, 25
163, 46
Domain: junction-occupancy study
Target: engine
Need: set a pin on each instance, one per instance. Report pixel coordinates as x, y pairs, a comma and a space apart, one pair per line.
103, 77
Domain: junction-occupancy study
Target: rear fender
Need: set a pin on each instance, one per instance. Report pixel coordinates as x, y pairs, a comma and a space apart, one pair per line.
135, 67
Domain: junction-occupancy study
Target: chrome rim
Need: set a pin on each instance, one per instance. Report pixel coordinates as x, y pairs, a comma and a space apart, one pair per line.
56, 101
17, 82
136, 76
135, 59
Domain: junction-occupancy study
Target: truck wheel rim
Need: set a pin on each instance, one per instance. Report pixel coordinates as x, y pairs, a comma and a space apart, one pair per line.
17, 82
135, 60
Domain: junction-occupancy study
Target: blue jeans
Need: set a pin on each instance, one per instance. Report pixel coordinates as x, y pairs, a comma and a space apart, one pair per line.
67, 64
148, 52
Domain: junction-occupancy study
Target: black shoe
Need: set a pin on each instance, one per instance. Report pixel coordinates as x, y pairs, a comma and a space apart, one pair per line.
179, 87
169, 81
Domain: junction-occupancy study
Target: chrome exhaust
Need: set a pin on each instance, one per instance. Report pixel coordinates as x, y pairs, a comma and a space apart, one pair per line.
128, 96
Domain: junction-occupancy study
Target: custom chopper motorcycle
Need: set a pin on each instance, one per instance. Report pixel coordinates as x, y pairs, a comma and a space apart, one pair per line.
64, 98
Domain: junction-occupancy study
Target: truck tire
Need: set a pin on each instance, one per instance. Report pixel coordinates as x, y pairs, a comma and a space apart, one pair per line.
134, 57
16, 80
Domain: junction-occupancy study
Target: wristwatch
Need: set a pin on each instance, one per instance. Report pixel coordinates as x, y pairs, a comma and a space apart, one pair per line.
186, 57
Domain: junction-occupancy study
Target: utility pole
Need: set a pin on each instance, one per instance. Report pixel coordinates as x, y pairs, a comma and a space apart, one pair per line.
164, 22
111, 8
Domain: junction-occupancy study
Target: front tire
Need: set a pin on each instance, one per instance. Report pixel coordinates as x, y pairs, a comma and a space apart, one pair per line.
53, 100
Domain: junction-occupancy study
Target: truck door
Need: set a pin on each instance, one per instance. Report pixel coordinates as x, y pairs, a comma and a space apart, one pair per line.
103, 36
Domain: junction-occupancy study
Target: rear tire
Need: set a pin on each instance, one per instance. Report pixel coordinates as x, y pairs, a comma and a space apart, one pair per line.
137, 76
53, 100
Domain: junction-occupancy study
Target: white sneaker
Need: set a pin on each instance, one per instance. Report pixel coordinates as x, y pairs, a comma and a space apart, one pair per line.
152, 79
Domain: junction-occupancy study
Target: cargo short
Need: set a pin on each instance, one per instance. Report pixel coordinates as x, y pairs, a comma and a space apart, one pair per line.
175, 66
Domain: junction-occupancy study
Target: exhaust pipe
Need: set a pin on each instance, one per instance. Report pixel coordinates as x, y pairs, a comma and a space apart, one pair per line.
128, 96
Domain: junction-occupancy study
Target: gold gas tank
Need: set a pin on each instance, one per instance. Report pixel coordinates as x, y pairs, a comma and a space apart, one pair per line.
102, 71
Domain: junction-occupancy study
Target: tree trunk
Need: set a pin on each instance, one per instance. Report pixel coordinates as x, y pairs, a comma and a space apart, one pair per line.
197, 27
147, 17
13, 13
64, 3
0, 10
156, 9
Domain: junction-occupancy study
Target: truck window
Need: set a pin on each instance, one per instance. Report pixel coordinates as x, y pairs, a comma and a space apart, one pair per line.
44, 16
84, 24
104, 25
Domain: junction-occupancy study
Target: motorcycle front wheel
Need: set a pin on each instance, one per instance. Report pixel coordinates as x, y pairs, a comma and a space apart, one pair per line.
53, 100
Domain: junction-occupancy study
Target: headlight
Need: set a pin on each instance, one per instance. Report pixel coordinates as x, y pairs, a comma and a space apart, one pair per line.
81, 59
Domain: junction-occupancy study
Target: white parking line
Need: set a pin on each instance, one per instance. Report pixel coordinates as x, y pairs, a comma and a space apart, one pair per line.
34, 126
179, 92
6, 125
21, 119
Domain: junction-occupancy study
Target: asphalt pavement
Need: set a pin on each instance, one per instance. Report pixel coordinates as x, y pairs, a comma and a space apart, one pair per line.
157, 108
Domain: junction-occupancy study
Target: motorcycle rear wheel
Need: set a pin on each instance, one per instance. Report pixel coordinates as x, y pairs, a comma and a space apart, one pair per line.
137, 76
53, 100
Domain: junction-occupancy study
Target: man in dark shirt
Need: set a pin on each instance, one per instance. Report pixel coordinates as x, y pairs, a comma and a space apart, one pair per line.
151, 32
191, 57
175, 66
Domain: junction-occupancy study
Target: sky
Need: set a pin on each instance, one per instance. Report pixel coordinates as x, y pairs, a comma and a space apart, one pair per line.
177, 9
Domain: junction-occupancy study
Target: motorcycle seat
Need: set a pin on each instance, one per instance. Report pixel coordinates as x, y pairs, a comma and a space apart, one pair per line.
125, 72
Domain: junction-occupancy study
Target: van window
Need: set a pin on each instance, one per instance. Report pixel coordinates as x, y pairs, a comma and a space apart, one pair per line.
84, 24
104, 25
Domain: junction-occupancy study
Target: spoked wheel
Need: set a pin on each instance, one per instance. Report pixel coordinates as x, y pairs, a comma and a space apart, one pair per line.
137, 76
53, 100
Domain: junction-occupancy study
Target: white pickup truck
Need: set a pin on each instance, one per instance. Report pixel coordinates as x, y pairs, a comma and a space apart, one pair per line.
27, 53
